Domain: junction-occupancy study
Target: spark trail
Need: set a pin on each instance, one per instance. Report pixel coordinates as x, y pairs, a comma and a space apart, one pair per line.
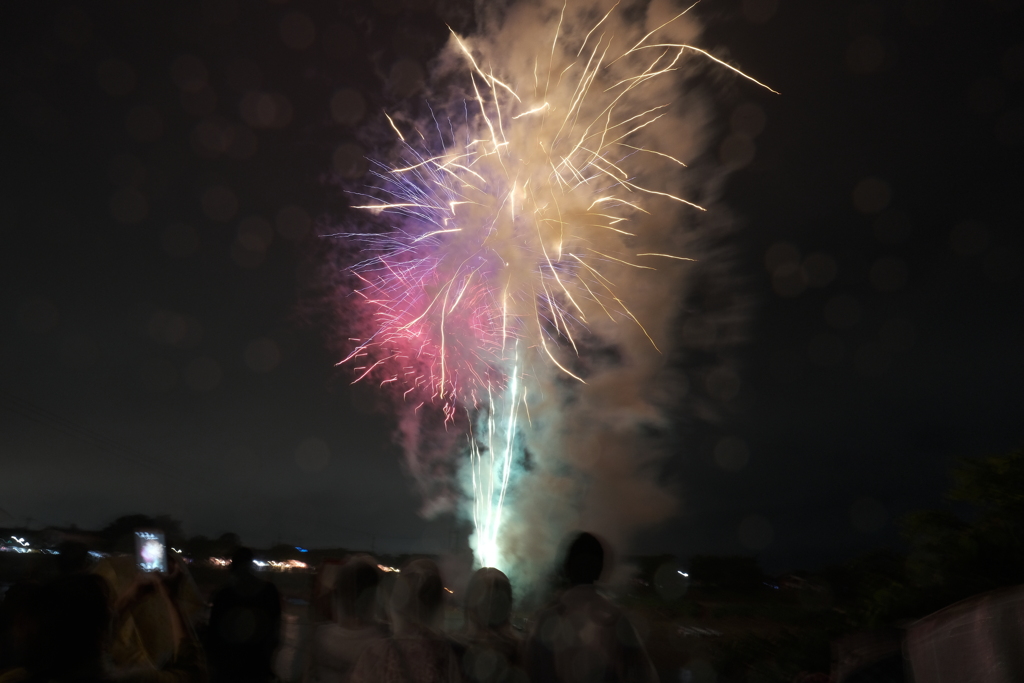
510, 218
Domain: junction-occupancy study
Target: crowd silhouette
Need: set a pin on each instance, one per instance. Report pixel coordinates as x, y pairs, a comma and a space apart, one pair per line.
105, 622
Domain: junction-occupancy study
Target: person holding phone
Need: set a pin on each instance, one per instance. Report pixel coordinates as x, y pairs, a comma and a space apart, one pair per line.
77, 617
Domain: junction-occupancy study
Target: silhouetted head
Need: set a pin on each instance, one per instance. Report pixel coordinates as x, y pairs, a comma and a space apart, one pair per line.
488, 599
72, 558
416, 596
241, 561
584, 559
355, 589
20, 620
74, 614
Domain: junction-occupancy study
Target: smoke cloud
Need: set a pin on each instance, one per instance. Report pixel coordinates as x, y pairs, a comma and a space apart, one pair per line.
597, 385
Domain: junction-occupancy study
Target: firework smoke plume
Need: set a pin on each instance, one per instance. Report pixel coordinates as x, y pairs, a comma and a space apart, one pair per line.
517, 276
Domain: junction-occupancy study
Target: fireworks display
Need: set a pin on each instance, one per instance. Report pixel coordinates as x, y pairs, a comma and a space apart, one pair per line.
511, 220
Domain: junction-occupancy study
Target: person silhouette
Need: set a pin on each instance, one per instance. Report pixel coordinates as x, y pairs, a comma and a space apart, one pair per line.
75, 615
337, 645
489, 647
581, 637
245, 625
416, 652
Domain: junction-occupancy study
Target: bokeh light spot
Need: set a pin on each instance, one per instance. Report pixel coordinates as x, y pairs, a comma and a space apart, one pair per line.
825, 350
174, 329
128, 206
789, 280
293, 222
892, 227
243, 75
786, 365
265, 110
737, 151
722, 383
897, 335
297, 30
179, 239
212, 137
73, 26
698, 670
923, 12
203, 374
144, 123
872, 359
780, 254
245, 257
406, 78
255, 233
244, 143
748, 119
339, 42
820, 269
348, 106
220, 12
189, 73
312, 454
842, 311
698, 333
157, 375
871, 195
759, 11
241, 460
262, 355
79, 351
732, 453
127, 169
35, 113
865, 55
889, 274
349, 161
202, 102
115, 77
220, 203
167, 327
755, 533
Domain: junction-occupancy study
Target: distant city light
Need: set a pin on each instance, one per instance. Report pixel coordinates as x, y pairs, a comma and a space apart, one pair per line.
287, 564
265, 565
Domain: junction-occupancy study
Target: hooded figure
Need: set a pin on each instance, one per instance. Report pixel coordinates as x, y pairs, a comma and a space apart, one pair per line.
490, 648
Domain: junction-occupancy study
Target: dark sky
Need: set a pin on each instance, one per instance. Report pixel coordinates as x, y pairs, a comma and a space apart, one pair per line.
166, 169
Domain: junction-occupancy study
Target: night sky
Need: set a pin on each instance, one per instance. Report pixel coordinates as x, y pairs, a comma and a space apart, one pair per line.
169, 166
